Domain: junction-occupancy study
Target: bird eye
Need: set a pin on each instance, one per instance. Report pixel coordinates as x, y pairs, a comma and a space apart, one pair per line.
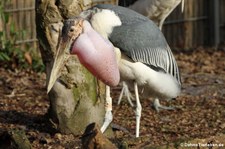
71, 30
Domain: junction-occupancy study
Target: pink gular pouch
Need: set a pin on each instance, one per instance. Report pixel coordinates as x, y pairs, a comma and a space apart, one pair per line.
97, 55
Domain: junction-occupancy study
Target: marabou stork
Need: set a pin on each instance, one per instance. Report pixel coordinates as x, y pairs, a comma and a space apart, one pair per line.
140, 53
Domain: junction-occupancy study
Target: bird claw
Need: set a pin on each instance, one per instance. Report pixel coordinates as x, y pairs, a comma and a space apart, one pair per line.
158, 106
108, 108
107, 120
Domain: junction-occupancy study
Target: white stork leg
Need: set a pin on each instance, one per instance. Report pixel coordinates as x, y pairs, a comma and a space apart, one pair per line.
108, 108
127, 94
138, 109
158, 106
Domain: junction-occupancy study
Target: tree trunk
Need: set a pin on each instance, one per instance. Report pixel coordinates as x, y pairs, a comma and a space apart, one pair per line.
77, 98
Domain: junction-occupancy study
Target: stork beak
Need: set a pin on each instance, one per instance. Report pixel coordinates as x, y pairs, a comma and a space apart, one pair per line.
182, 6
66, 40
59, 61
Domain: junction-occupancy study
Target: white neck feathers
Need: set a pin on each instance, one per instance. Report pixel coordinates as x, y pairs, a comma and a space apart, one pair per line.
104, 21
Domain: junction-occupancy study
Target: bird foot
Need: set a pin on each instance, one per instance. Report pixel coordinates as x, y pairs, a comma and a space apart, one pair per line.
108, 115
157, 106
107, 120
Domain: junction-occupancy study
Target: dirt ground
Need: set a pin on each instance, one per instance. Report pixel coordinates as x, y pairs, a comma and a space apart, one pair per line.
199, 114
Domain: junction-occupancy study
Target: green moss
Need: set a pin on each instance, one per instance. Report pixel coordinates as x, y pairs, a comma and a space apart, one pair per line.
84, 92
88, 87
20, 140
76, 93
91, 86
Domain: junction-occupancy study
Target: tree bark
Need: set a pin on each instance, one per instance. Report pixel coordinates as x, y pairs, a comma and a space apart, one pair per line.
77, 98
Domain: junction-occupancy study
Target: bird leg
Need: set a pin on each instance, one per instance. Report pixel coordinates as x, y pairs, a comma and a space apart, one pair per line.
138, 109
108, 108
158, 106
127, 93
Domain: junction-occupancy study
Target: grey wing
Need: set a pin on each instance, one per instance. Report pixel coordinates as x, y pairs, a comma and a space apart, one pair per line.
144, 42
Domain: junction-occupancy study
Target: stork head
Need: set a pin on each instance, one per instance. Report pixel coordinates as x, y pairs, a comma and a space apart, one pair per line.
94, 51
71, 30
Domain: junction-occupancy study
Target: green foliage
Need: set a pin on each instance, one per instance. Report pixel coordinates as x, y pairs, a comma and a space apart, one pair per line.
13, 56
37, 64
